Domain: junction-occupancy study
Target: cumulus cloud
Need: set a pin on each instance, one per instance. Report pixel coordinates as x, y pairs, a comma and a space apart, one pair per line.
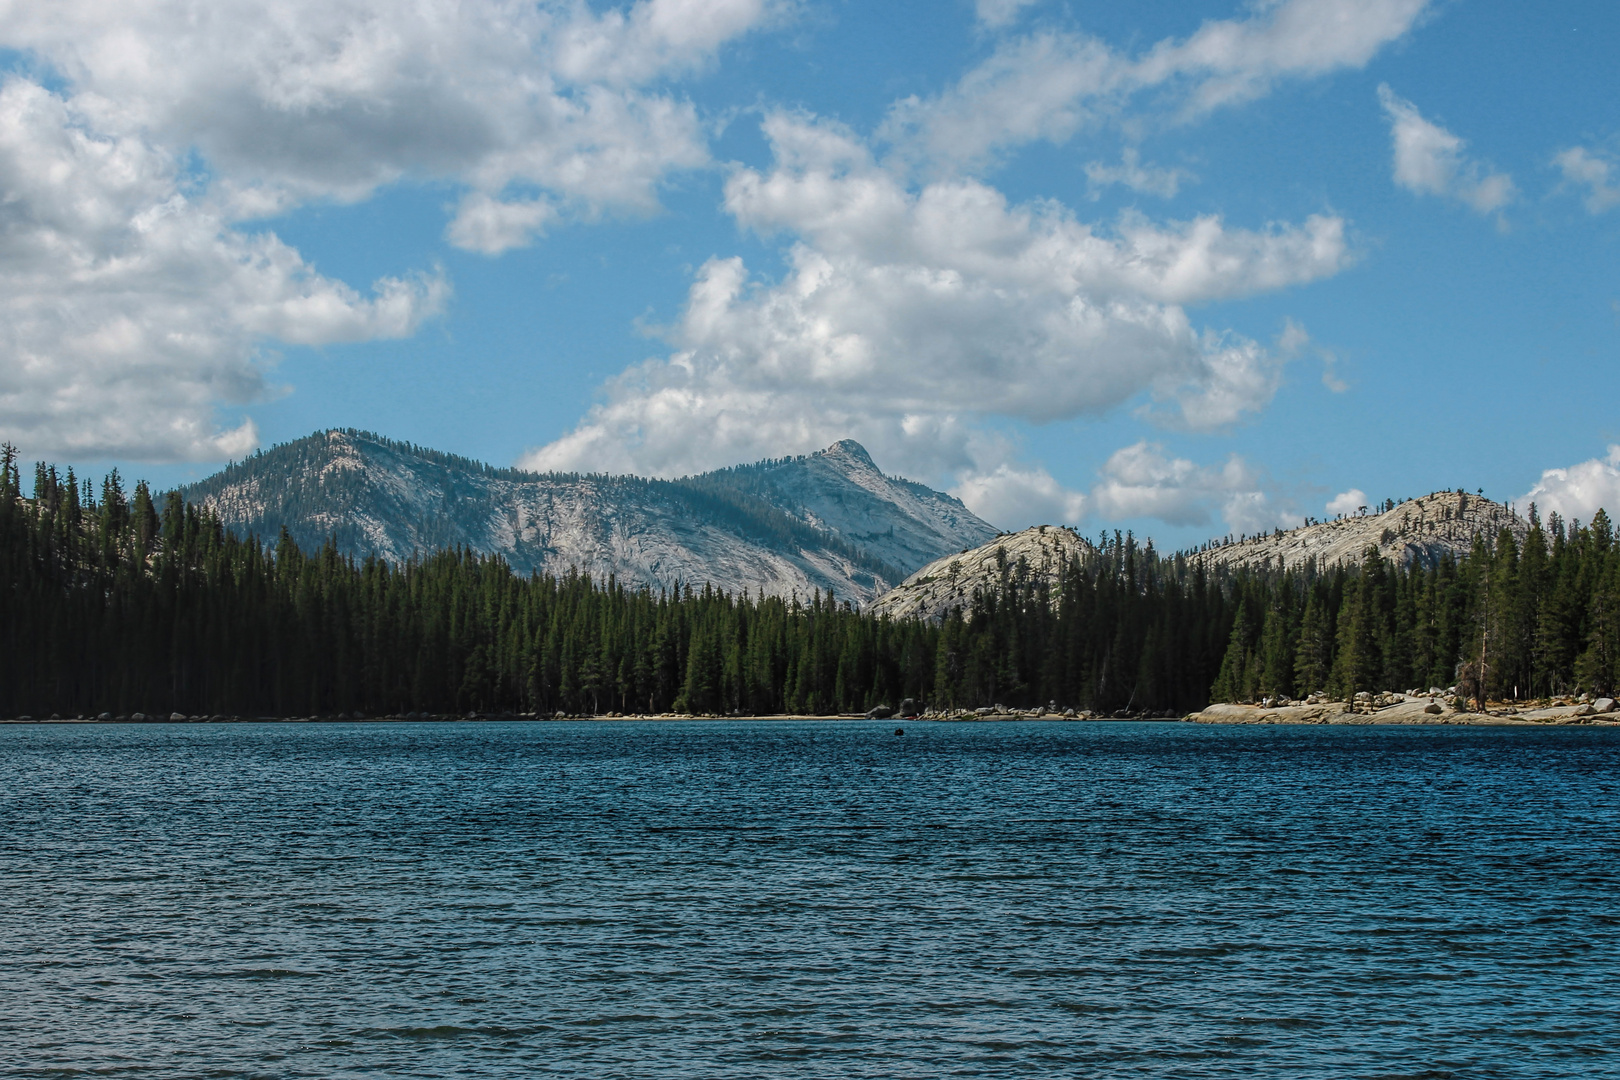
1143, 481
906, 313
1430, 160
1589, 169
1017, 496
1347, 502
1579, 491
132, 309
332, 98
491, 226
1137, 481
139, 304
1048, 85
1131, 173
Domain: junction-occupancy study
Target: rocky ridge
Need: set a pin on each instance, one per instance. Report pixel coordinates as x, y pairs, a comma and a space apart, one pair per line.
1036, 554
1416, 531
829, 521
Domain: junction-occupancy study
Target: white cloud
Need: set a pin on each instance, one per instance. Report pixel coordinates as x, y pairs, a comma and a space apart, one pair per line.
1242, 378
1584, 168
136, 303
904, 314
1142, 481
1430, 160
653, 38
1048, 85
1347, 502
1232, 60
1579, 491
1137, 481
998, 13
491, 226
132, 310
332, 98
1131, 173
1016, 496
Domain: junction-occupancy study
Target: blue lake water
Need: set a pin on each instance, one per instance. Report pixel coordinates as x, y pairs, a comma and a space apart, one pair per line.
775, 898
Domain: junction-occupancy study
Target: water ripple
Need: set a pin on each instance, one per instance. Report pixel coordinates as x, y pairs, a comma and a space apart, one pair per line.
762, 898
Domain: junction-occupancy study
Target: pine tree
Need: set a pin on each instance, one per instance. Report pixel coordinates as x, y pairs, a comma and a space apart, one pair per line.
1313, 659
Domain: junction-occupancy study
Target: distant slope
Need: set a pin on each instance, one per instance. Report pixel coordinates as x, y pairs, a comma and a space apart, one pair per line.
1419, 530
1039, 554
829, 520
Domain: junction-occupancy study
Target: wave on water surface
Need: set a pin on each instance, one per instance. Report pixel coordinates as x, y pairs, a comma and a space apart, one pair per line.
805, 899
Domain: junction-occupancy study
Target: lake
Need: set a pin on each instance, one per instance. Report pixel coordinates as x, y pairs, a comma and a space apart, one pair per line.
808, 899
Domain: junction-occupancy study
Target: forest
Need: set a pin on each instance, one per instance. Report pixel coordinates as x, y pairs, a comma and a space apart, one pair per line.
123, 602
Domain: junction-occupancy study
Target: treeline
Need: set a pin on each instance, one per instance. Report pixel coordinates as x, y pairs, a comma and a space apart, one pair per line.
120, 602
1505, 621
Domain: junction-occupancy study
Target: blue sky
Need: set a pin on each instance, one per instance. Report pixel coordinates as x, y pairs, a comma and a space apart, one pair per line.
1186, 268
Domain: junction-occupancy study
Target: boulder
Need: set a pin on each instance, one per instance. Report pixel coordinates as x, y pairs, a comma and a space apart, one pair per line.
177, 718
105, 716
1603, 705
879, 712
1434, 708
137, 717
908, 708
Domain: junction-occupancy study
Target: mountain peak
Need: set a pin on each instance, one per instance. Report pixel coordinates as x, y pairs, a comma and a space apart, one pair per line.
832, 521
849, 448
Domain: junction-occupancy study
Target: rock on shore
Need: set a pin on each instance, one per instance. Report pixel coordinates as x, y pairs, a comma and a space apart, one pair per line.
1413, 710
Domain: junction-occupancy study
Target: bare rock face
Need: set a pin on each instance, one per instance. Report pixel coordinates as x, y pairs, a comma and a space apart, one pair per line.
830, 520
1418, 531
1039, 555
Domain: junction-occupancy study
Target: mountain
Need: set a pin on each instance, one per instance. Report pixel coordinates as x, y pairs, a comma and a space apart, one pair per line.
828, 520
1036, 555
1416, 531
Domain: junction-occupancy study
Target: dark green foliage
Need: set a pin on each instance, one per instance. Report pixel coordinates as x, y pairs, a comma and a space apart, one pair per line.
133, 602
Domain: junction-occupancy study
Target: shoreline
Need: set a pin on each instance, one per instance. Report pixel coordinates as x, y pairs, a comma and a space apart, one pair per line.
1331, 714
1412, 712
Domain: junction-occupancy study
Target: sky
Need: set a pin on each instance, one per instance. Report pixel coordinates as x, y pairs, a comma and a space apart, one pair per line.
1188, 268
